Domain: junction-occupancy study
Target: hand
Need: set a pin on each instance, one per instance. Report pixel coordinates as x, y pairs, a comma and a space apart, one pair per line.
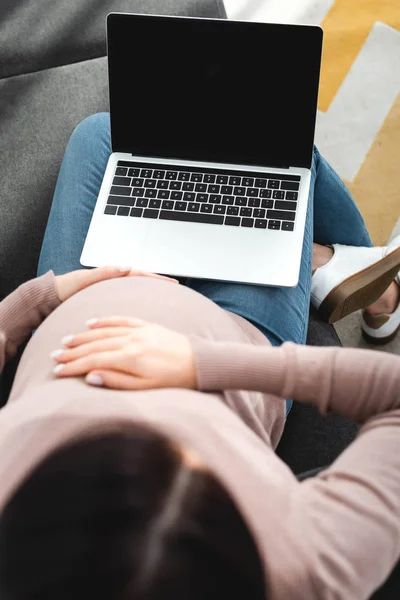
128, 354
69, 284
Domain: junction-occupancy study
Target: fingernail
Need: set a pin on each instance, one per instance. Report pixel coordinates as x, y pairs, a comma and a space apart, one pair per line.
91, 322
56, 353
124, 269
58, 368
94, 379
67, 339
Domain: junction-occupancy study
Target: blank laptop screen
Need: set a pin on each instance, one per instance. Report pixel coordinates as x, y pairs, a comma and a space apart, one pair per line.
213, 90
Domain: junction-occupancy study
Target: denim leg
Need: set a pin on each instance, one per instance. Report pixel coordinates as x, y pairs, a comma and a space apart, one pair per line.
337, 219
75, 196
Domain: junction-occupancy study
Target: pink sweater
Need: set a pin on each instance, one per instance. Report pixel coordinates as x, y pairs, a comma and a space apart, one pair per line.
336, 536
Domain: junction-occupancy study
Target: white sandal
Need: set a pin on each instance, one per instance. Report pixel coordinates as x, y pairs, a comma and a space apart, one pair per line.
354, 278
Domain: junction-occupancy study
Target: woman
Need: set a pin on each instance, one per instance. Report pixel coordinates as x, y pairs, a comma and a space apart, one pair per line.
141, 469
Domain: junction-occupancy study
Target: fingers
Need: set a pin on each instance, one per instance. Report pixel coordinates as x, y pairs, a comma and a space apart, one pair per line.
115, 380
115, 321
86, 337
93, 347
153, 276
113, 359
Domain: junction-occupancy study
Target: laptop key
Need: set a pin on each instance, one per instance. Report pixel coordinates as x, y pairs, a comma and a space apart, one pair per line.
167, 205
175, 185
202, 198
133, 172
245, 212
150, 214
142, 202
235, 221
282, 215
154, 203
214, 189
206, 208
284, 205
290, 185
117, 190
121, 171
150, 183
158, 174
188, 187
163, 194
149, 193
139, 192
198, 177
273, 184
235, 180
248, 181
219, 209
184, 176
267, 203
247, 222
191, 217
259, 213
121, 200
215, 198
146, 172
162, 184
122, 181
266, 193
232, 210
171, 175
228, 199
254, 202
241, 201
137, 182
278, 195
287, 226
239, 191
201, 187
260, 183
222, 179
227, 189
110, 210
180, 205
193, 207
123, 211
274, 224
260, 223
291, 195
252, 192
209, 178
189, 196
176, 195
136, 212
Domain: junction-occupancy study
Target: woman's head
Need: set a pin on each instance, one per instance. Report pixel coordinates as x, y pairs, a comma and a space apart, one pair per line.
124, 516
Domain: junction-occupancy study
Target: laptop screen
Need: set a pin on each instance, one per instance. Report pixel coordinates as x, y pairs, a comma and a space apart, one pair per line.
213, 90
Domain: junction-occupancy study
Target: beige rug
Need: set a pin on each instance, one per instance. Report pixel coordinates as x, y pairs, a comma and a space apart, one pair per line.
358, 125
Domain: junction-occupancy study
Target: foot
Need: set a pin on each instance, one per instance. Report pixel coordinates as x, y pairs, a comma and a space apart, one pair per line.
380, 322
354, 278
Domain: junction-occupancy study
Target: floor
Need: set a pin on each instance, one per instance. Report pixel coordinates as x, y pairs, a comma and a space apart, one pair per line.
315, 11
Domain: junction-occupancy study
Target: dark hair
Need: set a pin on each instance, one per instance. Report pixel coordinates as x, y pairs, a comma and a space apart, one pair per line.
122, 517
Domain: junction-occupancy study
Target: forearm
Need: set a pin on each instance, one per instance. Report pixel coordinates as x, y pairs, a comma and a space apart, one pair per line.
22, 311
356, 383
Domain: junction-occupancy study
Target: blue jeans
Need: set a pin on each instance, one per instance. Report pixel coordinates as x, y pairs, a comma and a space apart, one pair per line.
281, 314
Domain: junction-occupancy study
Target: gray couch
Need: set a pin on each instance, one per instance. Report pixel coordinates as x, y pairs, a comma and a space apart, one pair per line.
53, 73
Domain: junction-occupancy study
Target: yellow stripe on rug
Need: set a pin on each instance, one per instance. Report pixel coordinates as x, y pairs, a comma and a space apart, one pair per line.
376, 187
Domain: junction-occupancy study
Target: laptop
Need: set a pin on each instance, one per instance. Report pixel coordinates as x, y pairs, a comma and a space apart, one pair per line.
212, 132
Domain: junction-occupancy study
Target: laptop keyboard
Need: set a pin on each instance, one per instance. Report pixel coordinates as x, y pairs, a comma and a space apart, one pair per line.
234, 198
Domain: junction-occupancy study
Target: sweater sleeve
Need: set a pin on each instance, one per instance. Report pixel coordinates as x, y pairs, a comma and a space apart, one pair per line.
349, 516
22, 311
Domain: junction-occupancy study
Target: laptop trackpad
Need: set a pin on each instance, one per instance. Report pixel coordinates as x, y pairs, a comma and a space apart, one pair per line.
211, 252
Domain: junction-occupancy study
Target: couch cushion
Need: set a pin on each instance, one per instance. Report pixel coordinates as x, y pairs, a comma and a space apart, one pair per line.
49, 33
38, 113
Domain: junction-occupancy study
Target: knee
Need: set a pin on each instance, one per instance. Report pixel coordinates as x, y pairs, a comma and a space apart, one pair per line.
90, 132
